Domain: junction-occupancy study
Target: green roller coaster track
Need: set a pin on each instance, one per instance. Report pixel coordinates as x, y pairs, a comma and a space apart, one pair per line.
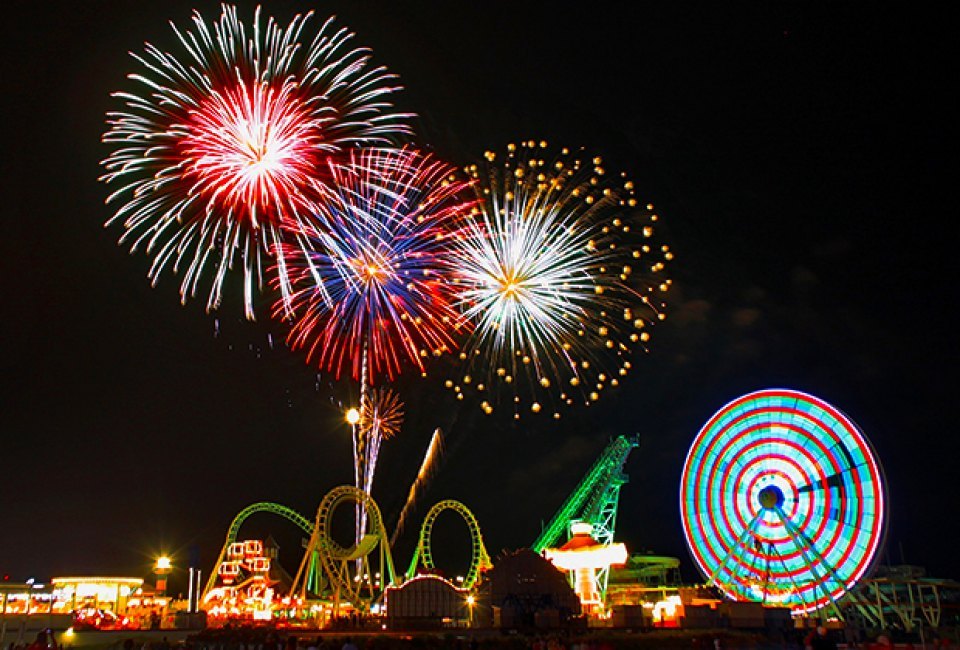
423, 555
594, 500
264, 506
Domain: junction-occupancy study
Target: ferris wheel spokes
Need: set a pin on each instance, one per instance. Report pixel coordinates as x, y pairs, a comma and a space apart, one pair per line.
787, 572
750, 528
805, 544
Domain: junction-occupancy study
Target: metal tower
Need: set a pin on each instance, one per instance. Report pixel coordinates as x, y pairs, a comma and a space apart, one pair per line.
594, 501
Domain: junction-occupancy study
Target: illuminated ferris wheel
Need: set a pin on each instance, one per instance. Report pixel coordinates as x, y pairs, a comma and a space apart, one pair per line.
782, 500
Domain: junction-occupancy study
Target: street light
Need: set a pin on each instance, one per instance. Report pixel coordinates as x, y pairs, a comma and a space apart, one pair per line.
471, 601
161, 569
353, 419
353, 416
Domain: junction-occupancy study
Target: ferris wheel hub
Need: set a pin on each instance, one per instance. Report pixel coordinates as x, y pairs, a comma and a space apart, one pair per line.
770, 497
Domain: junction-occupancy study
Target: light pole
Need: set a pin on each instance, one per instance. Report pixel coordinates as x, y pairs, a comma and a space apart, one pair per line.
352, 417
161, 570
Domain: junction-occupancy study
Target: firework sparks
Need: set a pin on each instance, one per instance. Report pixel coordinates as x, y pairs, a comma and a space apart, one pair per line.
226, 144
427, 469
373, 274
381, 418
559, 274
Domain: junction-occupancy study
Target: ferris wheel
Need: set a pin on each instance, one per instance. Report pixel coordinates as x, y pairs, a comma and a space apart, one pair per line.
782, 500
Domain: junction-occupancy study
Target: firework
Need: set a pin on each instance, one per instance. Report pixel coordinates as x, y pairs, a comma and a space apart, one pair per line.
559, 275
380, 419
427, 469
231, 139
370, 286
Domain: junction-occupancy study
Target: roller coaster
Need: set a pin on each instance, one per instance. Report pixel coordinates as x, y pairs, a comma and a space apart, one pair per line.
348, 570
357, 575
423, 555
264, 506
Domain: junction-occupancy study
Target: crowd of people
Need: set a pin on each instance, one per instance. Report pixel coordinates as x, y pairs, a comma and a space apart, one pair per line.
258, 638
45, 640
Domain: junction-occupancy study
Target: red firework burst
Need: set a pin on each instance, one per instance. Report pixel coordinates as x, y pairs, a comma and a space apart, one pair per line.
226, 144
253, 152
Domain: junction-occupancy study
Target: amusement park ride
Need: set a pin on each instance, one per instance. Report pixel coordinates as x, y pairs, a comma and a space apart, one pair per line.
594, 502
782, 505
782, 501
333, 579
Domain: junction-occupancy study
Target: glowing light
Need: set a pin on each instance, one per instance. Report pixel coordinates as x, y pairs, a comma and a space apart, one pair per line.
223, 146
596, 557
353, 416
164, 563
581, 528
800, 518
97, 580
540, 274
583, 556
666, 611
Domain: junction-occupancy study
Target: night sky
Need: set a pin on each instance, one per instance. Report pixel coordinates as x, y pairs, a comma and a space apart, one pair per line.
795, 151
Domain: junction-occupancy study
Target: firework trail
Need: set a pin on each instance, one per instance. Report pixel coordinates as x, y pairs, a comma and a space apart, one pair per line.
369, 278
372, 274
380, 419
427, 469
559, 275
230, 137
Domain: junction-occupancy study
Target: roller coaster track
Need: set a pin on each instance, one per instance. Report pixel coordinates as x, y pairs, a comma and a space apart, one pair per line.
360, 588
348, 571
263, 506
423, 555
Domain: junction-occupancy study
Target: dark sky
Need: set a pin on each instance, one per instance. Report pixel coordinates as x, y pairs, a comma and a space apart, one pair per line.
796, 152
